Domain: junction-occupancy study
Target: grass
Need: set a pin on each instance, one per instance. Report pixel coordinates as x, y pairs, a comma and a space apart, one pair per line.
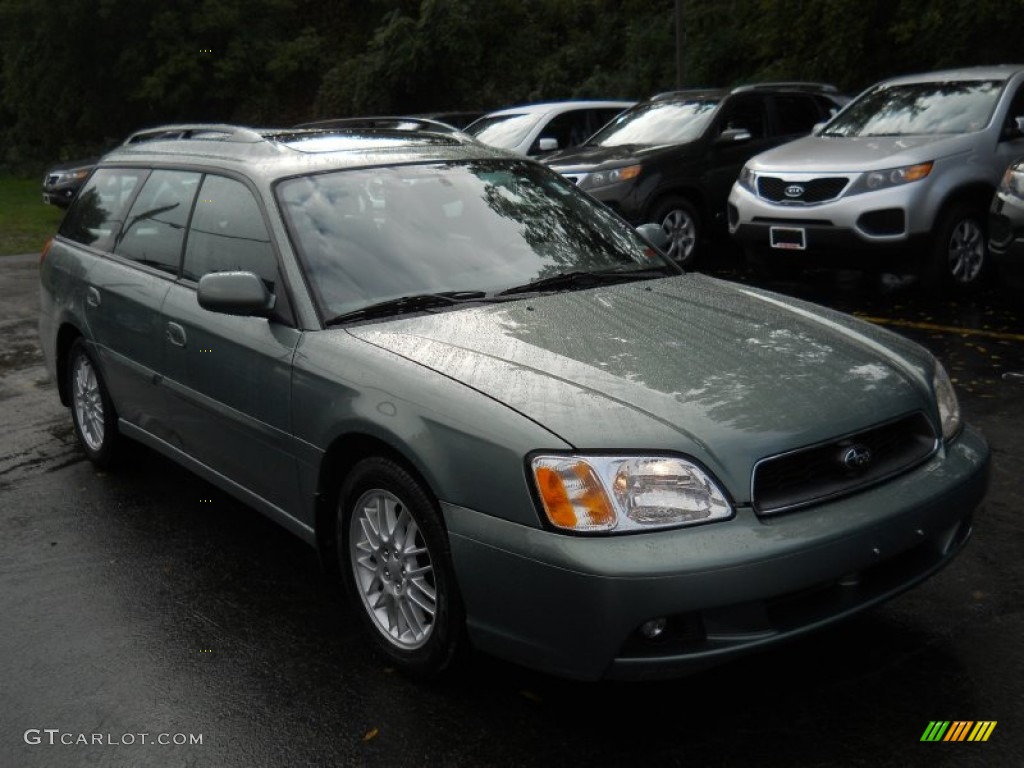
25, 222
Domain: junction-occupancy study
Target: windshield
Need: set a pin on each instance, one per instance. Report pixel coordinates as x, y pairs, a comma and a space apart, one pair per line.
659, 122
919, 108
503, 131
374, 234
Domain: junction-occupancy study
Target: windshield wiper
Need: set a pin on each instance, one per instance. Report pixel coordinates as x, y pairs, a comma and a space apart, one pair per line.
584, 279
416, 303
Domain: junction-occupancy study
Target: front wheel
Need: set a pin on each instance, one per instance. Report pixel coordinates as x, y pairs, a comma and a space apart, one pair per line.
91, 409
396, 566
679, 219
958, 260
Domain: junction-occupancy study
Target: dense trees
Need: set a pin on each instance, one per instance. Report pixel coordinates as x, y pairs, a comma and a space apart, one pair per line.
76, 75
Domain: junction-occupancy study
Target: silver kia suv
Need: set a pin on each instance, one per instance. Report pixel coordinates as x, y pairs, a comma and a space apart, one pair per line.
901, 177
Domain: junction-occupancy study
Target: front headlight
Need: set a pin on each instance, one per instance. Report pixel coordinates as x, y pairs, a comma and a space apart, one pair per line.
891, 177
76, 174
596, 494
949, 406
611, 176
748, 179
1013, 182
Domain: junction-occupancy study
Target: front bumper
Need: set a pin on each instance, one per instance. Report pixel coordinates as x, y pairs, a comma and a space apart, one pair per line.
572, 605
1006, 239
890, 223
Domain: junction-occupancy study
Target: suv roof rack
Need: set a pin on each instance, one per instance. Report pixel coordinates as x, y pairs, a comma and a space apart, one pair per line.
204, 131
688, 93
793, 85
387, 122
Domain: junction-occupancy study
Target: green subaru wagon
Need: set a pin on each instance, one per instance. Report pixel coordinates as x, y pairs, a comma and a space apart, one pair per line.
501, 415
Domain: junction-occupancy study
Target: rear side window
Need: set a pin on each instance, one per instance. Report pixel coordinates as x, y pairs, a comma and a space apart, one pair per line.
154, 231
98, 212
796, 113
228, 233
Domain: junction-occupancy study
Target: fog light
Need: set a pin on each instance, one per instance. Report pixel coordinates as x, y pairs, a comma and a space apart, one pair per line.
654, 628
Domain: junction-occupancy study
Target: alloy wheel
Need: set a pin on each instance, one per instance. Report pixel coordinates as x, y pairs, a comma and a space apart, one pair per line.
393, 569
87, 399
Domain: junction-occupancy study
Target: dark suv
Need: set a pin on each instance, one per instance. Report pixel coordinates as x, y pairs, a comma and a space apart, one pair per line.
673, 158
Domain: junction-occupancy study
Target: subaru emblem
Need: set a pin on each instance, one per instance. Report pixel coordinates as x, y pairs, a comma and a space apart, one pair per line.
857, 457
794, 190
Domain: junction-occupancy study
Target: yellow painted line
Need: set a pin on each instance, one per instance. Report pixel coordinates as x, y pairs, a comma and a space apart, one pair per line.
941, 328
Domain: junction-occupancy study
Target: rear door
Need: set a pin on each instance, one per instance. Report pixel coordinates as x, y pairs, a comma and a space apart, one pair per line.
122, 296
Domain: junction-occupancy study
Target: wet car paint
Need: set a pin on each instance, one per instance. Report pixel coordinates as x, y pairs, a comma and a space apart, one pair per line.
149, 601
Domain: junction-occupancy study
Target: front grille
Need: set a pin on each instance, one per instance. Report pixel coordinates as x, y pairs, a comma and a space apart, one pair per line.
807, 192
835, 468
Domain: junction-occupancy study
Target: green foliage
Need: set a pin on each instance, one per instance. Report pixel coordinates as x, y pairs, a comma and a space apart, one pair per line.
76, 76
25, 223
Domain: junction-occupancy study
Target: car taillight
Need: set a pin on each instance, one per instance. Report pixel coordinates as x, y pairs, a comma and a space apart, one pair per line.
46, 250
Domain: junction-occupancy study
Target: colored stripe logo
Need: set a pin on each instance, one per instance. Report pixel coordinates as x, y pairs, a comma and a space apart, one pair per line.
958, 730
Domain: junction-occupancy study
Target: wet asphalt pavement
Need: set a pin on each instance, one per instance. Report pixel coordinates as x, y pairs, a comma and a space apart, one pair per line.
146, 606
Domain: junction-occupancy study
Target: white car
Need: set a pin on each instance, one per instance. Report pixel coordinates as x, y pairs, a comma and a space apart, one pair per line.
534, 129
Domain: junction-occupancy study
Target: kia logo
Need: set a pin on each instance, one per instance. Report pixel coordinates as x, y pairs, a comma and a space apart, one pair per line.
856, 457
794, 190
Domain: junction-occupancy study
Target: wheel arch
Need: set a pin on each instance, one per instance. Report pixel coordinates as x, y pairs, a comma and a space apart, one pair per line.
65, 338
338, 460
976, 193
693, 195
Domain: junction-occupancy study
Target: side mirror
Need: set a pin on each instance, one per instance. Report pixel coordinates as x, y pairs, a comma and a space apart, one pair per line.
235, 293
1019, 121
733, 136
655, 235
547, 144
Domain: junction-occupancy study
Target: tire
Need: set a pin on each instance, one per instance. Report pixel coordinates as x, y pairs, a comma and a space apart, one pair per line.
91, 409
958, 260
395, 563
679, 219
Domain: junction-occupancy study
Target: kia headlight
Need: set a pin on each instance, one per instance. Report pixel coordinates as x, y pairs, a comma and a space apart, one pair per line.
891, 177
610, 176
949, 406
748, 179
1013, 182
613, 494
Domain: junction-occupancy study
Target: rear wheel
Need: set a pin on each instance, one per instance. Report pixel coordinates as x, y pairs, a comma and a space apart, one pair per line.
396, 567
958, 259
679, 219
91, 410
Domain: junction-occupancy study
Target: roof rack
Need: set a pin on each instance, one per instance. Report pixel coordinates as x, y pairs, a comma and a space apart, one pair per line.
394, 123
794, 85
693, 93
205, 131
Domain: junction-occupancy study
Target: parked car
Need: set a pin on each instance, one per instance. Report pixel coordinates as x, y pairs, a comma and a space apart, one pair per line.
501, 416
63, 180
1006, 226
536, 129
901, 178
673, 158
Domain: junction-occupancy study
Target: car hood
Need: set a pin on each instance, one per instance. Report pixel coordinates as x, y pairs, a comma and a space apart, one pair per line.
838, 154
582, 159
723, 373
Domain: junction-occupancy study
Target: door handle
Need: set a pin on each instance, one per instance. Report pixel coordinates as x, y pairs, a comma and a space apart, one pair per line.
176, 334
92, 296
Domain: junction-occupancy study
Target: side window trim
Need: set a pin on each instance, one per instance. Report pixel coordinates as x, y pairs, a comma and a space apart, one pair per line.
282, 289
